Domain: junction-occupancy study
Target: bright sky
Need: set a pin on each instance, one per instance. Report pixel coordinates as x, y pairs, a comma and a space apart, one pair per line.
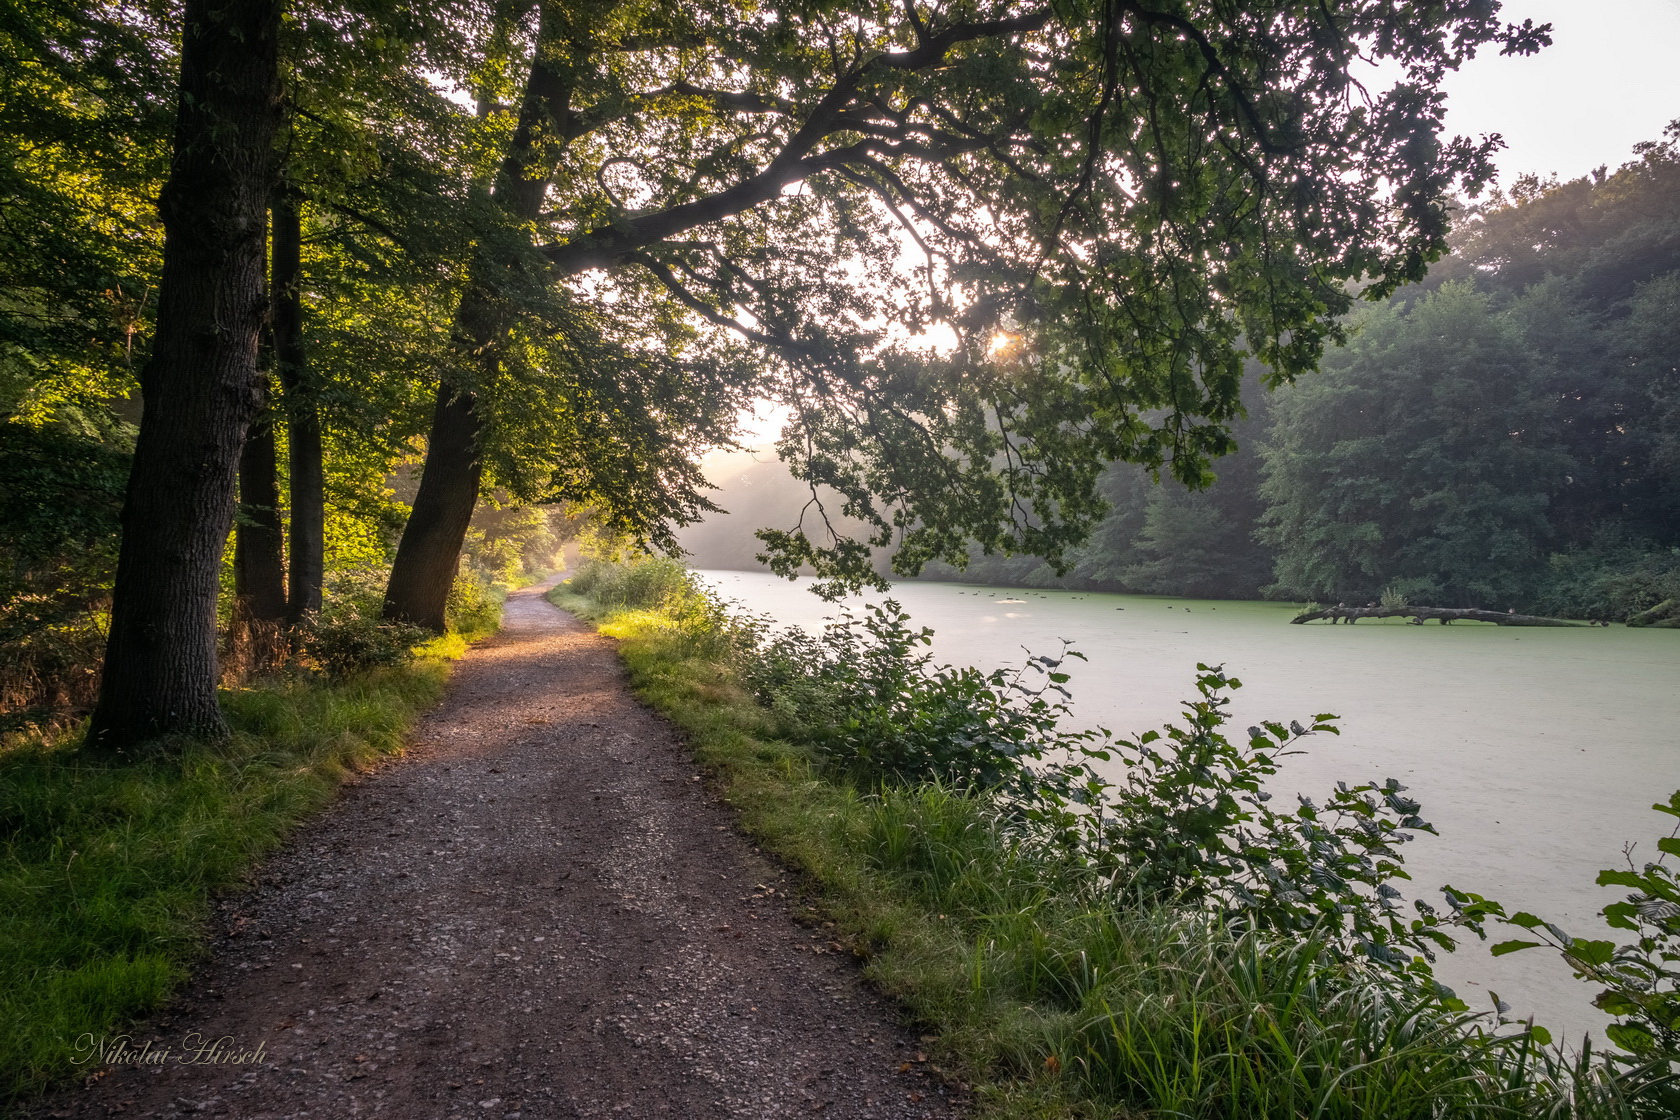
1609, 80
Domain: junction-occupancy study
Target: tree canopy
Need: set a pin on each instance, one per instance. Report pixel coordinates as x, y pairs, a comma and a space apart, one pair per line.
979, 250
1100, 209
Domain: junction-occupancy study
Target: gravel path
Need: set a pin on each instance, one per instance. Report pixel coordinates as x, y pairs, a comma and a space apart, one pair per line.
538, 911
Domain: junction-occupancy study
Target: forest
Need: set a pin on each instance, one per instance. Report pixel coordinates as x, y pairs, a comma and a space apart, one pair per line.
1503, 434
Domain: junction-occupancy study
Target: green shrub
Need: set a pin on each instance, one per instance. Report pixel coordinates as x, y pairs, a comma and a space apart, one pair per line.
868, 697
348, 643
650, 583
692, 617
474, 606
1610, 581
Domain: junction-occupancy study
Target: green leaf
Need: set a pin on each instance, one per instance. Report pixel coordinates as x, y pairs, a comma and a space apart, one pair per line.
1504, 947
1631, 1037
1592, 952
1540, 1034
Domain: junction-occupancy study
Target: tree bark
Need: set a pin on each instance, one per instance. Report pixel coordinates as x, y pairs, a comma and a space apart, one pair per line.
200, 384
307, 531
430, 550
259, 570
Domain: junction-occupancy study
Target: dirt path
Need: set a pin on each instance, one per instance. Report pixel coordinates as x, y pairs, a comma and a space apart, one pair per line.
538, 912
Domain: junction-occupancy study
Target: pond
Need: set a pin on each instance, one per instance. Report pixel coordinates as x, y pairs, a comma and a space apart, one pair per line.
1536, 752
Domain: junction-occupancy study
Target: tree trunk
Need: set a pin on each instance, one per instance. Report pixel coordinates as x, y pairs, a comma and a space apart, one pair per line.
303, 417
259, 570
1443, 615
200, 385
430, 550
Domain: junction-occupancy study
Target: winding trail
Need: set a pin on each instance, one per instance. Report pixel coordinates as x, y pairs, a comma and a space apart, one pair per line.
538, 911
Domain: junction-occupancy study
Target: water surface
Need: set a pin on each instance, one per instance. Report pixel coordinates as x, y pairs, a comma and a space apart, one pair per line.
1535, 752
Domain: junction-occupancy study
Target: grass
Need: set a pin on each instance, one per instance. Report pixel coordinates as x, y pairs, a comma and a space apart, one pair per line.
107, 872
1046, 997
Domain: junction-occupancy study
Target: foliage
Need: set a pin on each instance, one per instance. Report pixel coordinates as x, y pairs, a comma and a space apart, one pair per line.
83, 145
1611, 579
673, 273
647, 584
1191, 822
1505, 433
510, 542
106, 872
474, 607
346, 644
59, 498
661, 589
867, 696
1413, 463
1188, 824
1500, 436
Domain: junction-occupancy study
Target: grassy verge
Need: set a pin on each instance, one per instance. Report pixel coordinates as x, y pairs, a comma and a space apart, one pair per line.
106, 872
1047, 998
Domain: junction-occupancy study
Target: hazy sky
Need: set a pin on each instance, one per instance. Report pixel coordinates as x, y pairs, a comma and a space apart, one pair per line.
1610, 79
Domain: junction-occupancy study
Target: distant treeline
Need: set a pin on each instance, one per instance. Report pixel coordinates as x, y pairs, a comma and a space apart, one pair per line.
1505, 435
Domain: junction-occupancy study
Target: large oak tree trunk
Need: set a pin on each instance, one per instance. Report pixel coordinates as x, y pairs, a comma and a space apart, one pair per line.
259, 570
430, 550
303, 417
200, 384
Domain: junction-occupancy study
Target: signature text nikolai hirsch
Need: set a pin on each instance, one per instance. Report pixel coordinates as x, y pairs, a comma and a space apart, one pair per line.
194, 1050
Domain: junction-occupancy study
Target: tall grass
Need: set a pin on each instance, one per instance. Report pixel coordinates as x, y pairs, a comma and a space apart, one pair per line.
1046, 987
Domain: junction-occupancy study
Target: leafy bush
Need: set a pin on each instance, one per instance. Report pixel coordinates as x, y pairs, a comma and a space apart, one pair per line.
1610, 581
349, 643
474, 606
649, 583
867, 695
1189, 823
672, 598
60, 496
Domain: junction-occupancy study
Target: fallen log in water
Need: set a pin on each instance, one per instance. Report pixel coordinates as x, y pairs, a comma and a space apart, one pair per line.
1443, 615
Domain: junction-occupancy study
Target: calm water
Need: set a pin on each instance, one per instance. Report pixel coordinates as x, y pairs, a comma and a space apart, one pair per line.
1535, 752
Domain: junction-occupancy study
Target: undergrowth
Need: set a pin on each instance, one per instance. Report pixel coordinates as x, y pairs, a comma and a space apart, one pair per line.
1061, 981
